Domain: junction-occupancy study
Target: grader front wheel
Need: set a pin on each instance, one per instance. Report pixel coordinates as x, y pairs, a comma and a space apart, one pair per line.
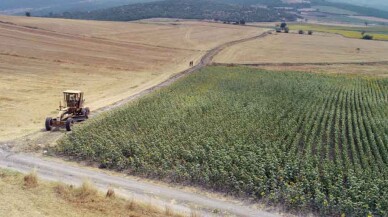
49, 123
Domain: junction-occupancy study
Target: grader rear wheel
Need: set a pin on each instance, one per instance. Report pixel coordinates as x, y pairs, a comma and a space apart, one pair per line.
69, 124
86, 112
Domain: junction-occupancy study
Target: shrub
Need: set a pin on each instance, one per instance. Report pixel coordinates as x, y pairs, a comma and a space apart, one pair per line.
110, 193
310, 32
87, 190
301, 32
367, 37
31, 179
85, 193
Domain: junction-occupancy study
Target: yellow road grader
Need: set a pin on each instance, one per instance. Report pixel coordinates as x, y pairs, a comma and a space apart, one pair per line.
72, 111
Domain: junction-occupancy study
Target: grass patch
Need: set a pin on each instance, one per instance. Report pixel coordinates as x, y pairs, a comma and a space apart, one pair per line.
334, 10
22, 195
379, 33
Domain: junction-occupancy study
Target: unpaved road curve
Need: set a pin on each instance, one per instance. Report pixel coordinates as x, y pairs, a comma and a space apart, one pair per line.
129, 187
132, 187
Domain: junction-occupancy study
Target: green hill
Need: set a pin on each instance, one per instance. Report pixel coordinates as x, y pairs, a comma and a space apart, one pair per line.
185, 9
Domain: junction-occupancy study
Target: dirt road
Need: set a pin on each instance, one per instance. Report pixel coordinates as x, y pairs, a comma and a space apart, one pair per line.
205, 60
129, 187
132, 187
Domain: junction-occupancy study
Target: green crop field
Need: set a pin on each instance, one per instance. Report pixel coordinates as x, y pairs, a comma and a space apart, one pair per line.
334, 10
309, 142
378, 32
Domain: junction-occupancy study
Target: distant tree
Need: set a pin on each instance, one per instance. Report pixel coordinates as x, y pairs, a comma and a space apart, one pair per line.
367, 37
366, 23
301, 32
242, 22
66, 14
310, 32
28, 14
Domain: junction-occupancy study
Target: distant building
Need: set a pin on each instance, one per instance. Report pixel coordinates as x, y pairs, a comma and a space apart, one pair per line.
297, 1
285, 8
307, 10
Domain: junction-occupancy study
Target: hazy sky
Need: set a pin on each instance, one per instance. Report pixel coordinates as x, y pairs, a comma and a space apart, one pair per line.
365, 2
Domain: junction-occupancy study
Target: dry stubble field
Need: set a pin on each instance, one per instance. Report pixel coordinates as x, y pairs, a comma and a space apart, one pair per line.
37, 198
295, 48
108, 60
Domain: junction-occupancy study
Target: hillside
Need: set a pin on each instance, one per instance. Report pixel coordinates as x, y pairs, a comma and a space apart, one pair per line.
42, 7
110, 61
378, 4
361, 10
184, 9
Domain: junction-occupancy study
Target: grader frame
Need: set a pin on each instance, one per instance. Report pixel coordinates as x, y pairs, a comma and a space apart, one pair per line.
72, 111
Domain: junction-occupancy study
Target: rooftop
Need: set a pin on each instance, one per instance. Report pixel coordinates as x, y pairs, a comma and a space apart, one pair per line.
72, 91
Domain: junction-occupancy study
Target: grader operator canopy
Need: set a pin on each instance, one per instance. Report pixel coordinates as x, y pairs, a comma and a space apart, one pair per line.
73, 98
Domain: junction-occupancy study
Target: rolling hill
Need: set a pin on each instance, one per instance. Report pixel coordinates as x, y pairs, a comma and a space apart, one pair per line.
185, 9
41, 7
378, 4
108, 60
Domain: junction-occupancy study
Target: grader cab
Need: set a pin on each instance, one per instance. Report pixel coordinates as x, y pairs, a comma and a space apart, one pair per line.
72, 111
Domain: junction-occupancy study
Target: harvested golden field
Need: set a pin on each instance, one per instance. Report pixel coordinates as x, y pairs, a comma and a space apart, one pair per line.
379, 70
109, 61
22, 196
295, 48
171, 33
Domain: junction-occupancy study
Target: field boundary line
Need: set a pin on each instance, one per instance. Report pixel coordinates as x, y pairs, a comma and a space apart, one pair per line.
303, 64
